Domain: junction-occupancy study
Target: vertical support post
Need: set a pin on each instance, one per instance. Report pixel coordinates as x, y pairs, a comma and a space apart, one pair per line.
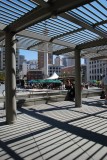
46, 61
78, 96
10, 78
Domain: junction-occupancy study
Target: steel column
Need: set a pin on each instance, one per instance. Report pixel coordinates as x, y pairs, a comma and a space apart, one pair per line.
10, 78
46, 61
78, 101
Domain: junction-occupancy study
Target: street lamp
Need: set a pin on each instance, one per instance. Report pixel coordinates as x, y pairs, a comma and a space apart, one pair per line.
64, 76
81, 74
101, 76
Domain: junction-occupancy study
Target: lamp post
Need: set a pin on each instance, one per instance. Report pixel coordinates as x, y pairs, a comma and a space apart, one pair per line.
64, 76
101, 76
81, 74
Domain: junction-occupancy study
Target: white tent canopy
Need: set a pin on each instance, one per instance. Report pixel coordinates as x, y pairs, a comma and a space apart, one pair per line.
54, 76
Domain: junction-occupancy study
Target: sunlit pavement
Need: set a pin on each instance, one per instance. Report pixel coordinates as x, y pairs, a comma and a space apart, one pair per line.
56, 131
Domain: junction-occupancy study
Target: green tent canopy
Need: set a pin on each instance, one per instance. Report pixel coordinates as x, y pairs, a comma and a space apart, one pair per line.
45, 81
52, 81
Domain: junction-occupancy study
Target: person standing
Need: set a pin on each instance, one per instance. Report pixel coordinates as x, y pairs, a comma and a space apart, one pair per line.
68, 85
71, 91
104, 86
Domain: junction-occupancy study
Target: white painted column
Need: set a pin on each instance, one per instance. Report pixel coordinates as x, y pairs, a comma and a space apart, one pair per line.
46, 61
78, 94
10, 78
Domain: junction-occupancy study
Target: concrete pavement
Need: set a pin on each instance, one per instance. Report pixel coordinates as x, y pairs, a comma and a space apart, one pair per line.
56, 131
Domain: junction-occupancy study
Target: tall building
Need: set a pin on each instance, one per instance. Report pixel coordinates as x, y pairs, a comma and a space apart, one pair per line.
57, 61
41, 59
64, 61
32, 64
25, 68
21, 60
95, 69
2, 59
68, 61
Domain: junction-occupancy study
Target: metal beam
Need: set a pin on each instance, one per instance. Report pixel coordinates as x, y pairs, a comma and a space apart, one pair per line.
68, 33
40, 2
99, 42
36, 15
2, 26
62, 51
2, 33
63, 5
42, 13
44, 38
34, 45
82, 24
2, 36
91, 44
99, 58
99, 23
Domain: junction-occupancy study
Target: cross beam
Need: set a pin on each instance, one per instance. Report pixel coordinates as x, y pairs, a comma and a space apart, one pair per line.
42, 13
83, 24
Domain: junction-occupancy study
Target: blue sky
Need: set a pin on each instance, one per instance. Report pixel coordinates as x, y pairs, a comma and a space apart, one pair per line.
33, 55
29, 55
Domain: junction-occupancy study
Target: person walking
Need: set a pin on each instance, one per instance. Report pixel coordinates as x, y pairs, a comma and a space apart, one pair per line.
104, 86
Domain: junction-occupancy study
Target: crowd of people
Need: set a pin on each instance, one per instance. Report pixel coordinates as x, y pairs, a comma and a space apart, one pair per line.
69, 85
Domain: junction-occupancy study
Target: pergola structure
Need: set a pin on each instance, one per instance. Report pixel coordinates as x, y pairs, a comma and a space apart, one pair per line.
74, 27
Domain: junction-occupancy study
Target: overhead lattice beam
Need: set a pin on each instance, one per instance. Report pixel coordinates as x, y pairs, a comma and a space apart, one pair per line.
100, 23
83, 24
68, 33
95, 43
62, 51
99, 58
34, 45
2, 33
2, 36
44, 38
99, 42
40, 2
42, 13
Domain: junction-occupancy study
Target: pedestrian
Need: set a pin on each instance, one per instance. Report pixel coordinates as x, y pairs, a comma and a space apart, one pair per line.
68, 85
71, 91
104, 87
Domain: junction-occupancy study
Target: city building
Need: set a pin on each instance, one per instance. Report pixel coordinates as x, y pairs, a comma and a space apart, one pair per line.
2, 60
21, 60
95, 69
64, 61
41, 59
54, 68
68, 61
58, 61
32, 64
34, 74
27, 66
69, 72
